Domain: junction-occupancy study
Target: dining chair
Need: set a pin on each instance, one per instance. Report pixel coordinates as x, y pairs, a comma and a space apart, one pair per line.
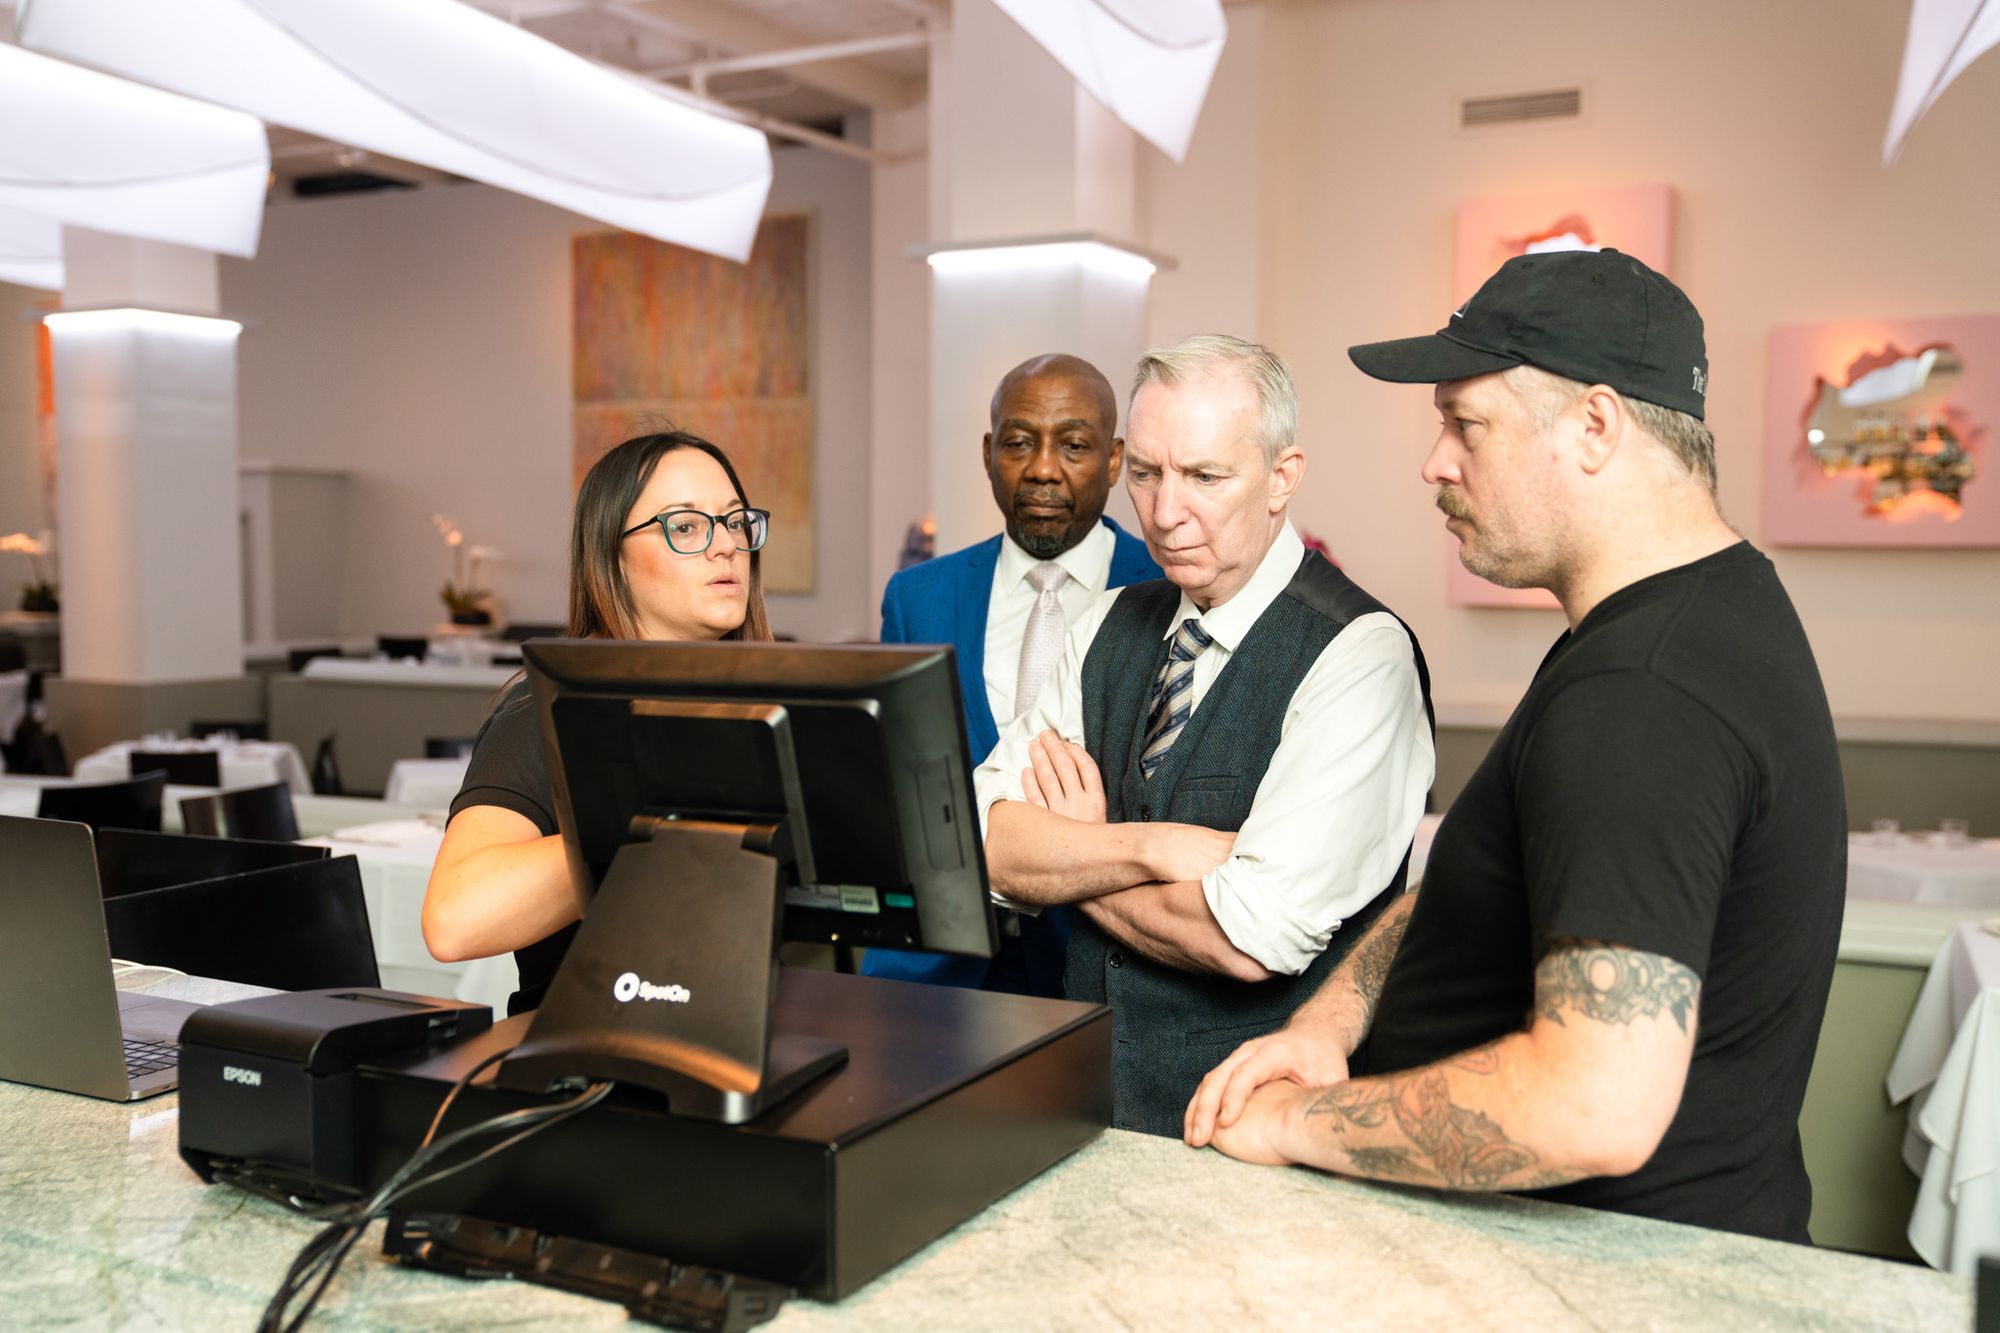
132, 804
184, 768
265, 813
294, 927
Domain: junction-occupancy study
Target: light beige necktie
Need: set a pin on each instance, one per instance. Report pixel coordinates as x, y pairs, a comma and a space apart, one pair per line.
1042, 644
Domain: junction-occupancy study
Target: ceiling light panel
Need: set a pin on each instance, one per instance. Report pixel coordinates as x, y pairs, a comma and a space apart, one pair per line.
30, 250
439, 83
1148, 61
108, 154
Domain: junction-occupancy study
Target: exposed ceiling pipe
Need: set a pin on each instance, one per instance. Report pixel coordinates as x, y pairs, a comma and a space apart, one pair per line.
930, 11
772, 125
700, 70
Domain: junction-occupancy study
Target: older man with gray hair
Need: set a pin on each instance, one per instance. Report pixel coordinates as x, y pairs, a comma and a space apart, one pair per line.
1225, 772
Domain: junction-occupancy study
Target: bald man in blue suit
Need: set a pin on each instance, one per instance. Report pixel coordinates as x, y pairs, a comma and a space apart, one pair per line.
1052, 455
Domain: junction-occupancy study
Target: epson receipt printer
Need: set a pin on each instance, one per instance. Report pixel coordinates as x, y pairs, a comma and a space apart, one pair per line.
268, 1084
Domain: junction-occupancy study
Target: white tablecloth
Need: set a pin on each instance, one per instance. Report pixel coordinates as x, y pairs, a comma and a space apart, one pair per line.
13, 702
21, 794
244, 763
1910, 870
470, 650
1948, 1065
1913, 869
406, 673
427, 784
395, 858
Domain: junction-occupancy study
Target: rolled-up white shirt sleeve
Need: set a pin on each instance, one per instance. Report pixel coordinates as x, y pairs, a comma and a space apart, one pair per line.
1058, 708
1338, 805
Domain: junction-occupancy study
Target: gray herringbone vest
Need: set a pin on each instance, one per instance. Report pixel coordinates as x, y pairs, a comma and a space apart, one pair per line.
1171, 1027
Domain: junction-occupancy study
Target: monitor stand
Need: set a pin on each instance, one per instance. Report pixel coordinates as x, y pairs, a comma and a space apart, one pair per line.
672, 978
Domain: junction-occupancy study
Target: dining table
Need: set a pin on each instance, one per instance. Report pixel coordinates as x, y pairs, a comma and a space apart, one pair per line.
395, 856
1928, 869
1948, 1069
243, 763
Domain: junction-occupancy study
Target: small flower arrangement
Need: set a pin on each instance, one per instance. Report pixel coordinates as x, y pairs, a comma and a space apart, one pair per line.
1313, 543
468, 603
39, 593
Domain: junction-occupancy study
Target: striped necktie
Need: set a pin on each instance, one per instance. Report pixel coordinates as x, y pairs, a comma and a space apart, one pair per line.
1173, 695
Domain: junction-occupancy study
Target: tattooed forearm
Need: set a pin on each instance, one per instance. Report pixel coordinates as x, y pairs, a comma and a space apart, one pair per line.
1450, 1144
1374, 954
1388, 1163
1612, 984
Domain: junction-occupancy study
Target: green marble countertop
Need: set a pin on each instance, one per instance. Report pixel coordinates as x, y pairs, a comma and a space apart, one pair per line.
101, 1226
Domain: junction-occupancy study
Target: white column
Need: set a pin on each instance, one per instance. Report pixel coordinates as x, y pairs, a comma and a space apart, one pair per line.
992, 310
146, 462
899, 457
1019, 151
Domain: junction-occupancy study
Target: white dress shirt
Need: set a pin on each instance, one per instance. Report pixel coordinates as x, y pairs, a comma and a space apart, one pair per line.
1335, 811
1088, 564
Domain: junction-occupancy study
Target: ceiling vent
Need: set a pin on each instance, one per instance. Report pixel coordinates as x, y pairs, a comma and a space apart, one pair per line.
344, 182
1519, 108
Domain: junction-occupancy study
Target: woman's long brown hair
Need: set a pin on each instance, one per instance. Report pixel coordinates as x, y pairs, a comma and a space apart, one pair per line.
600, 600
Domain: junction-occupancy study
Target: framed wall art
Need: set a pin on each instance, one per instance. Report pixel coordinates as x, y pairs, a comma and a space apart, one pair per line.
1636, 219
664, 334
1876, 433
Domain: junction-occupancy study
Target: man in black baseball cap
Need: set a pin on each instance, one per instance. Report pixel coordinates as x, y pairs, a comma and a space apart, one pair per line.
1610, 986
1593, 316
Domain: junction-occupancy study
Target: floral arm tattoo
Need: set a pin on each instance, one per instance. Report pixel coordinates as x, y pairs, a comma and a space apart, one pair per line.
1611, 984
1448, 1142
1374, 954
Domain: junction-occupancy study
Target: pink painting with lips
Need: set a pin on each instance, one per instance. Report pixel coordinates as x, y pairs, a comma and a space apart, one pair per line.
1877, 433
1637, 220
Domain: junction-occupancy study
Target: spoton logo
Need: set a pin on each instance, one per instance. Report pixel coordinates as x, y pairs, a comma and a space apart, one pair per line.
249, 1078
628, 988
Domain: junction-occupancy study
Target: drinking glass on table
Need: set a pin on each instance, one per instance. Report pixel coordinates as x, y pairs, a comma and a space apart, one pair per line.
1886, 832
1952, 833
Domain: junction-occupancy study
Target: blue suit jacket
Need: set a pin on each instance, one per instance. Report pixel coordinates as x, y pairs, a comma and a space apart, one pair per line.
945, 601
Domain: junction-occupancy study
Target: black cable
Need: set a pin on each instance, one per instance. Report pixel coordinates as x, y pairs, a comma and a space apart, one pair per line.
330, 1249
321, 1257
324, 1254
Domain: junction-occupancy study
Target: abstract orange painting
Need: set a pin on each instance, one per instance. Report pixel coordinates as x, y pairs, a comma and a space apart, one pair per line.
668, 337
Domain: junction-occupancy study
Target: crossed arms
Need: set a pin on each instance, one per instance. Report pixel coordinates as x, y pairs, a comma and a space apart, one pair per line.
1139, 883
1586, 1088
1330, 820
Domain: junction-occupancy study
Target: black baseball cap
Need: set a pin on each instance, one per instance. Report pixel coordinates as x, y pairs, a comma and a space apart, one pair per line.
1597, 316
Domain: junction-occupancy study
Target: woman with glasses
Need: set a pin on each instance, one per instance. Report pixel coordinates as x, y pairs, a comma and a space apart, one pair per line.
664, 547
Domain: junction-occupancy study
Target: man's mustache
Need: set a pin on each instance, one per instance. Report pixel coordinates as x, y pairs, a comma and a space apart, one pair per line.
1047, 498
1452, 503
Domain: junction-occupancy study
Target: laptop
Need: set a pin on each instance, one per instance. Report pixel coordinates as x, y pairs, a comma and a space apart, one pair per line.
64, 1024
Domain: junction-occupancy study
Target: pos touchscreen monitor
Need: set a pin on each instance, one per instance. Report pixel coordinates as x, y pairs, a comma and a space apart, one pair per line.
717, 797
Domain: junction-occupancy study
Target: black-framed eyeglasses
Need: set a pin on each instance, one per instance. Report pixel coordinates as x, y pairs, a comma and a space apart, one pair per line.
690, 531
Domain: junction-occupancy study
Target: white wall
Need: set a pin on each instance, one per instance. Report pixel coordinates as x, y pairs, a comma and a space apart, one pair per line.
1203, 212
1767, 119
420, 340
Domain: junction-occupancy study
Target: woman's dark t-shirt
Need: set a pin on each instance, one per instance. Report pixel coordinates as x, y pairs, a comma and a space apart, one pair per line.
1670, 784
507, 771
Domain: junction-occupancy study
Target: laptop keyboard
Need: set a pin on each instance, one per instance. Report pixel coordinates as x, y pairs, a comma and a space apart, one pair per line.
149, 1057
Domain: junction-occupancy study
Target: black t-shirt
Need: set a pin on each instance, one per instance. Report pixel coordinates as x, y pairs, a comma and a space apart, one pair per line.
507, 770
1670, 784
